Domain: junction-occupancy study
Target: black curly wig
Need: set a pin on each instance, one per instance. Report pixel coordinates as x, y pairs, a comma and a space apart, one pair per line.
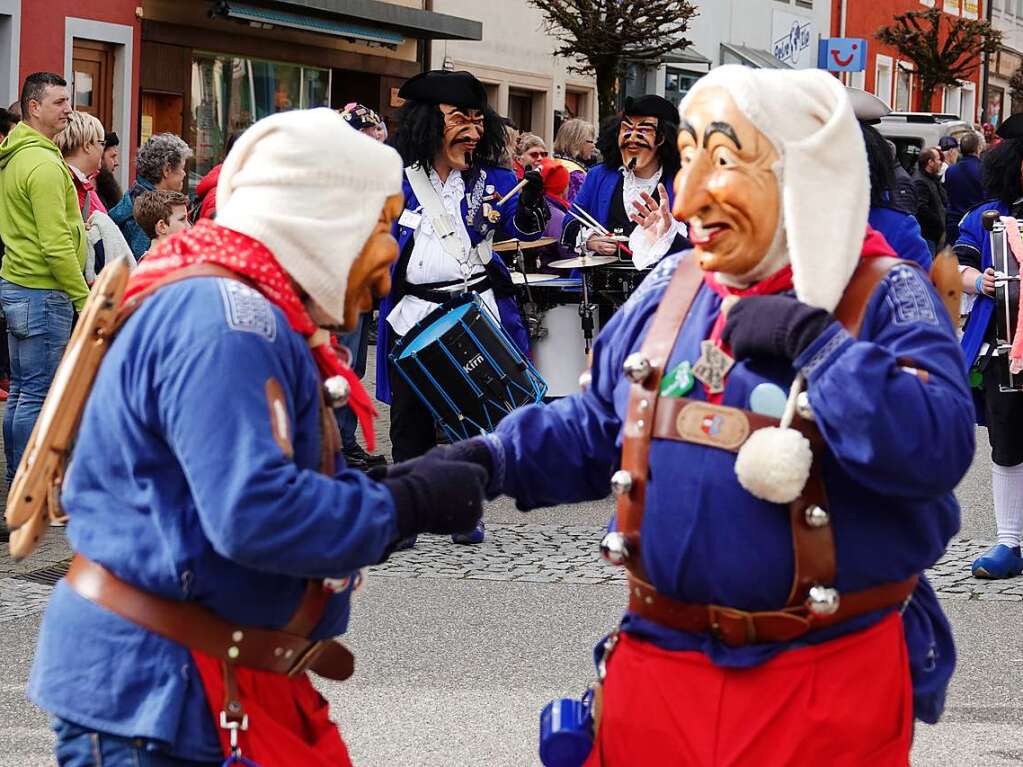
1002, 168
879, 162
420, 135
667, 152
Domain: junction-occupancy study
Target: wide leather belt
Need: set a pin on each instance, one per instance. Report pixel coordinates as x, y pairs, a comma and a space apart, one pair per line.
197, 628
720, 426
737, 628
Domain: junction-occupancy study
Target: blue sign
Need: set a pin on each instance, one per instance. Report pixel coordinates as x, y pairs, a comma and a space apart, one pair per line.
842, 54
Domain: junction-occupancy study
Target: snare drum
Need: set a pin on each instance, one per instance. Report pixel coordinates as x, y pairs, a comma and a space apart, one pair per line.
1007, 294
465, 368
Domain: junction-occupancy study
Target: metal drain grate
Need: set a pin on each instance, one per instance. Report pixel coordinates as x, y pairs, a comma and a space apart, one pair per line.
48, 575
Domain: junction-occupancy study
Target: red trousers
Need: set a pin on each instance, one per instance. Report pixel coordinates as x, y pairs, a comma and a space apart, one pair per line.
289, 721
844, 703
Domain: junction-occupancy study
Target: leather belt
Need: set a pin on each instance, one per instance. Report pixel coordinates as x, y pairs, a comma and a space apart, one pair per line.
195, 627
737, 628
433, 292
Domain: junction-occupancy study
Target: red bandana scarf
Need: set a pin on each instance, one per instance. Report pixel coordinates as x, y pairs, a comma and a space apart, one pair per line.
874, 246
207, 243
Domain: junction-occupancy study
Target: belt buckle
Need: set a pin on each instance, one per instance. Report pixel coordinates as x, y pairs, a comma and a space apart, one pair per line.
716, 613
305, 658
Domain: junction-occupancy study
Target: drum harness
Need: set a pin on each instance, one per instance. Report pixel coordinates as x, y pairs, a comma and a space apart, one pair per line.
447, 232
813, 602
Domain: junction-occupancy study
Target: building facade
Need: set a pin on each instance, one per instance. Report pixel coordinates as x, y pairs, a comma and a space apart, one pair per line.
1007, 17
525, 81
94, 46
888, 74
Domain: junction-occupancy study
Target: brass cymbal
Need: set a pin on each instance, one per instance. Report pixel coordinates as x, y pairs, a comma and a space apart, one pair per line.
510, 246
582, 262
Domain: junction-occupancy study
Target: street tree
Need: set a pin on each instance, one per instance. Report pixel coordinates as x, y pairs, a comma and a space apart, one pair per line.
600, 37
944, 49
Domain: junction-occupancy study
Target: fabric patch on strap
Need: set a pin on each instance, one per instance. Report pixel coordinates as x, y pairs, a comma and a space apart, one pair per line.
280, 423
909, 298
247, 310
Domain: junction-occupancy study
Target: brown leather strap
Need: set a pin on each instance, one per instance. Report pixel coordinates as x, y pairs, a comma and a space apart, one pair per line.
868, 275
639, 422
740, 627
234, 711
197, 628
185, 273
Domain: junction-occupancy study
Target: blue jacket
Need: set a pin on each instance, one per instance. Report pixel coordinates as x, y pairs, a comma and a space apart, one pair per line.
178, 486
974, 249
598, 189
963, 182
476, 184
902, 232
123, 214
896, 447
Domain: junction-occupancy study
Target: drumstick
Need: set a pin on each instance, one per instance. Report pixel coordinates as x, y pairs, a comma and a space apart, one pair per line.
589, 220
514, 190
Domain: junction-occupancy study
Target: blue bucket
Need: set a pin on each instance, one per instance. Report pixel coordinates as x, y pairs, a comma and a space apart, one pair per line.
566, 733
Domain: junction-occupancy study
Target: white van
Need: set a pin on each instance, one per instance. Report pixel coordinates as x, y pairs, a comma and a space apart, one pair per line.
912, 131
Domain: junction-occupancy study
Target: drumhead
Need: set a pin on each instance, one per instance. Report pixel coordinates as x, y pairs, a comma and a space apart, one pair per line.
431, 331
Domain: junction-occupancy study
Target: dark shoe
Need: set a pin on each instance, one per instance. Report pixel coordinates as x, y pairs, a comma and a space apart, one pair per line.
406, 543
358, 455
353, 462
472, 537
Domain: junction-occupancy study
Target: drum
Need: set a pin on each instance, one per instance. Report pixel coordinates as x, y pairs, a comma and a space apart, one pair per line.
1006, 304
559, 346
614, 283
465, 368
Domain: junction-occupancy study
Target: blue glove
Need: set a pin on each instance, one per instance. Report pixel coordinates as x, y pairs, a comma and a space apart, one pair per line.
773, 326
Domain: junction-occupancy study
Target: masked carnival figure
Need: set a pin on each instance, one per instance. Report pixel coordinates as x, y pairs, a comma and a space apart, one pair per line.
782, 414
990, 345
451, 144
640, 162
218, 534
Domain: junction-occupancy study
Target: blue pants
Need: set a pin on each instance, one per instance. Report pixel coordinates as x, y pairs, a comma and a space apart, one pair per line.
357, 342
38, 329
81, 747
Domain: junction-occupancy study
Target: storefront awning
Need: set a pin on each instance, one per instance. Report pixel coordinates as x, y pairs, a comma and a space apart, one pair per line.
272, 17
753, 57
688, 55
380, 16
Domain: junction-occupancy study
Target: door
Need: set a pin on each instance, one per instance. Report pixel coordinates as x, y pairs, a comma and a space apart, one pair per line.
93, 83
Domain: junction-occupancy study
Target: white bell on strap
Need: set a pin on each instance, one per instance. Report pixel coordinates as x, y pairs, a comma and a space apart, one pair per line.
773, 464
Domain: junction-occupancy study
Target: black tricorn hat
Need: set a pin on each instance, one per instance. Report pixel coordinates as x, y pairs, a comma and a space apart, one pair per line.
1012, 127
651, 106
438, 86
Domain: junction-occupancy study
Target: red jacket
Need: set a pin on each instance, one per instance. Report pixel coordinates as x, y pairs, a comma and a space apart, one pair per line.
206, 193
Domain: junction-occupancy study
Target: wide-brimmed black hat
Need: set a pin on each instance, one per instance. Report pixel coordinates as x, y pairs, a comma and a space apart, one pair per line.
438, 86
651, 106
1012, 127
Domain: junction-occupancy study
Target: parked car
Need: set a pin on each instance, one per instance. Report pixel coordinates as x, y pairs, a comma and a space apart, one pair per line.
912, 131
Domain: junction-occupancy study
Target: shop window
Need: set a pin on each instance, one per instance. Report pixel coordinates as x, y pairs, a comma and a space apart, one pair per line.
995, 97
953, 100
904, 89
677, 84
230, 93
883, 79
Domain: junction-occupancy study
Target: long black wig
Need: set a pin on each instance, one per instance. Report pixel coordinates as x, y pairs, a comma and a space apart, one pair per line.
667, 152
420, 135
1001, 171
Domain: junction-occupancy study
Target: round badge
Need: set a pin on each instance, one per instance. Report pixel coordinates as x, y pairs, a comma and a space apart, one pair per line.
768, 399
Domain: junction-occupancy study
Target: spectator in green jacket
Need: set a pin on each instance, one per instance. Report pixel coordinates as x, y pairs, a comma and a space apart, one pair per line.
41, 280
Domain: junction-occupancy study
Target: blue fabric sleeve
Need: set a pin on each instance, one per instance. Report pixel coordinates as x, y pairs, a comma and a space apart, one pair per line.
894, 431
577, 434
255, 505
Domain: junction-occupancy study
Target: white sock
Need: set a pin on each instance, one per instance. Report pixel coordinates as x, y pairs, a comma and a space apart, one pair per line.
1007, 487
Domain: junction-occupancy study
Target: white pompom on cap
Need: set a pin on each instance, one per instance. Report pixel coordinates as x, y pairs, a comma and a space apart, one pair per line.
774, 464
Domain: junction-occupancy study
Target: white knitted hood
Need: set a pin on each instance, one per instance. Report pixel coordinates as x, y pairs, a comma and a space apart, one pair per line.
310, 188
807, 116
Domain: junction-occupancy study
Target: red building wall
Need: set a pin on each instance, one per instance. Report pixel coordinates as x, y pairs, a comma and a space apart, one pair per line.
863, 18
42, 46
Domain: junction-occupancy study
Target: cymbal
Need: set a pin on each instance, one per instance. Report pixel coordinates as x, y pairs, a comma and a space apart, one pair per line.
534, 279
582, 262
510, 246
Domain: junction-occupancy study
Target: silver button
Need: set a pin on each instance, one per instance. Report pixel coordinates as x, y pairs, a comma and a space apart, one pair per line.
614, 548
816, 516
621, 482
637, 367
823, 600
803, 409
337, 390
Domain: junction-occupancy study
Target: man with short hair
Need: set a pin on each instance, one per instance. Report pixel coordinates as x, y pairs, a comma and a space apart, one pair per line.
107, 187
963, 185
931, 197
949, 147
41, 280
161, 213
